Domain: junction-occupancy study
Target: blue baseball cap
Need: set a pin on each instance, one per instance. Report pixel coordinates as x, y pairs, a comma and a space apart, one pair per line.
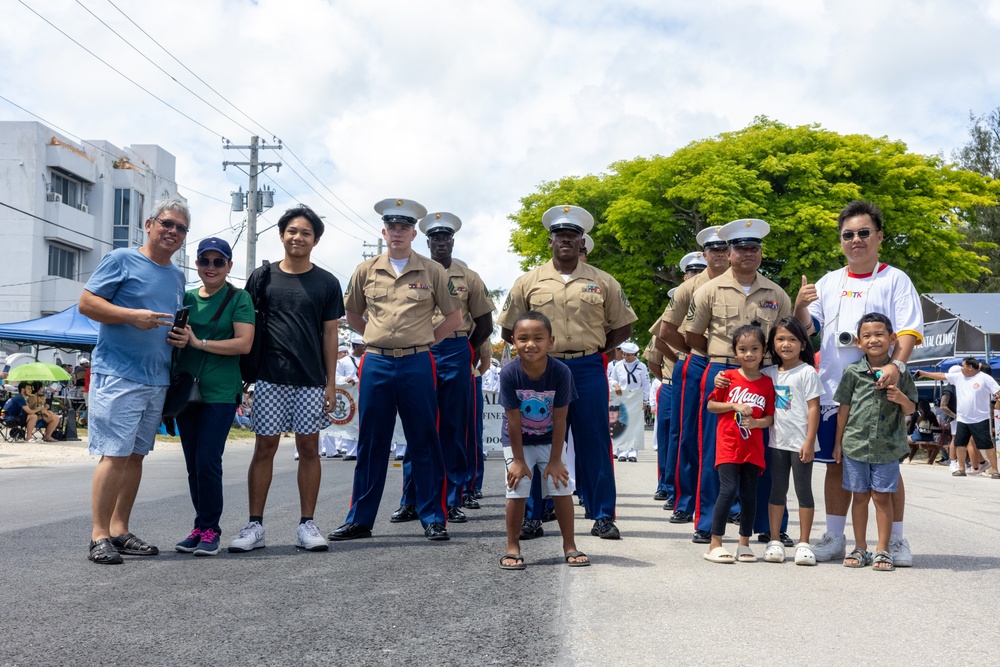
220, 246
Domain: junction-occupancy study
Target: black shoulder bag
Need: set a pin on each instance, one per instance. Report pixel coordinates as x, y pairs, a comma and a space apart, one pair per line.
184, 388
252, 362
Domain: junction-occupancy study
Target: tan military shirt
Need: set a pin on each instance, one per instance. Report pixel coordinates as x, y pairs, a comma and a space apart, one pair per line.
581, 309
680, 309
400, 308
471, 292
654, 356
720, 306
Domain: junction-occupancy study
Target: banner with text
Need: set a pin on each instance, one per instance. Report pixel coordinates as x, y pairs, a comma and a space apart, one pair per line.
939, 342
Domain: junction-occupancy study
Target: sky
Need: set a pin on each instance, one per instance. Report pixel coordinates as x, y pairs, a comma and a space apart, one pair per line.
468, 106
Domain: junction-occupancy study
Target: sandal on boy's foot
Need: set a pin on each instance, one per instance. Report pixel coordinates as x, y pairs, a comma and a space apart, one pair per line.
103, 552
883, 562
577, 555
775, 552
719, 555
804, 554
858, 559
959, 473
745, 555
995, 475
130, 545
517, 564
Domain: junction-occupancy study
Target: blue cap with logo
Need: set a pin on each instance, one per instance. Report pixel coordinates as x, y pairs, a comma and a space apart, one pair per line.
220, 246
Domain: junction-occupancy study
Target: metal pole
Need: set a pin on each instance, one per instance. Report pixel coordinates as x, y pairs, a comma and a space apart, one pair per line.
252, 209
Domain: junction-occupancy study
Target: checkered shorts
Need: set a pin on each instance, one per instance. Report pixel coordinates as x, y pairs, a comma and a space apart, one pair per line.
278, 408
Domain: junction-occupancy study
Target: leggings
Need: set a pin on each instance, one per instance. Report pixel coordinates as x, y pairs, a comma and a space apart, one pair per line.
732, 476
781, 462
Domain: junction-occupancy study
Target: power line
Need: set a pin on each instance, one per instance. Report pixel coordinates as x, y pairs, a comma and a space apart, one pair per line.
56, 224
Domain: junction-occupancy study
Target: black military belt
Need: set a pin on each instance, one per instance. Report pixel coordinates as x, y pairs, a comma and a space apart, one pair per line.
397, 351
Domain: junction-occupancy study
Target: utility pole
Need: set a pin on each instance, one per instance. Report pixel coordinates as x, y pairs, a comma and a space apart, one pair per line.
256, 200
369, 255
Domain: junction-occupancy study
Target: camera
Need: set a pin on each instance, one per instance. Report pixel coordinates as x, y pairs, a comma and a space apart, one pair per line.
845, 339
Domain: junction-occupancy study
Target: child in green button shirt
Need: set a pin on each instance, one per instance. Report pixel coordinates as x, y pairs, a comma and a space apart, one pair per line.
871, 438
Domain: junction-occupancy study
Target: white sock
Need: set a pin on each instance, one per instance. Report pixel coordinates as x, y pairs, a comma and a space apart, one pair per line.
897, 529
836, 524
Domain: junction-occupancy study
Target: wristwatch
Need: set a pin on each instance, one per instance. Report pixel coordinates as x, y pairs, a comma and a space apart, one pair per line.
900, 365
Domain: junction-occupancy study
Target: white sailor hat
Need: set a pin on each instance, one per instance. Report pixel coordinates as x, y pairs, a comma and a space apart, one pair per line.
630, 348
439, 222
693, 261
744, 232
343, 348
568, 217
709, 237
588, 244
357, 340
406, 211
494, 362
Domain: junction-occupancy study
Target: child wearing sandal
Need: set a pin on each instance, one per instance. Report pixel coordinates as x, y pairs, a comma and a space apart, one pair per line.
871, 438
739, 449
535, 392
793, 444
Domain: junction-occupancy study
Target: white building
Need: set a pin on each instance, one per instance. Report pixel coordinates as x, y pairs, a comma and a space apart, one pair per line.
75, 203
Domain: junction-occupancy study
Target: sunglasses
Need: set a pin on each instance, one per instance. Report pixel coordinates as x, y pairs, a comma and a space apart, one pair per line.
170, 224
862, 234
217, 262
744, 431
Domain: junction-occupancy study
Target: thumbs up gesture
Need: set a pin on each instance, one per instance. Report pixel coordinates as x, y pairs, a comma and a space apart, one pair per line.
807, 294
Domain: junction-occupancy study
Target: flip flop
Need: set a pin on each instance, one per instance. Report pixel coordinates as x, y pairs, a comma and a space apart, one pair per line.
577, 554
518, 562
746, 555
719, 555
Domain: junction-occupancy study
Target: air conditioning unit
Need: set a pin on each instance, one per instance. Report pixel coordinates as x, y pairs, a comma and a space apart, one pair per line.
54, 196
84, 208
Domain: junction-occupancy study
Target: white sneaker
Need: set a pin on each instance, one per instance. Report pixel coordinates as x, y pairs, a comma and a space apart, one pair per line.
969, 470
775, 552
250, 538
830, 547
899, 549
953, 465
309, 538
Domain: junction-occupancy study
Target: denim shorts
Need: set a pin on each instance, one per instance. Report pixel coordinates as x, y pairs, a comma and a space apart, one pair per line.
124, 415
861, 477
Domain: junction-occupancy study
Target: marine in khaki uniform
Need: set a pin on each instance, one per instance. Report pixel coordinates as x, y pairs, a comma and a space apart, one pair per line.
662, 367
590, 316
739, 296
683, 461
400, 291
453, 359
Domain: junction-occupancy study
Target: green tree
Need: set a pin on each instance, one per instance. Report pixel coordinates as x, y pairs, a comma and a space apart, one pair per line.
649, 210
982, 154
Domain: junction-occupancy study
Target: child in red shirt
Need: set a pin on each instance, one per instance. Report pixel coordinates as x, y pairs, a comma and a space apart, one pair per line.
748, 406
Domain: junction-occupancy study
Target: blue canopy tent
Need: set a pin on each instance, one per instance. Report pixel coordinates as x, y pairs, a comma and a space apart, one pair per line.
67, 329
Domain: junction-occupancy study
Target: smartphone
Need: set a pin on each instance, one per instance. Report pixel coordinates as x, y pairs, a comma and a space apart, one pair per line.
181, 317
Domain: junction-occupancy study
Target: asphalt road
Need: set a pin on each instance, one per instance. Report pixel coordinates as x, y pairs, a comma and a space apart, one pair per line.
649, 599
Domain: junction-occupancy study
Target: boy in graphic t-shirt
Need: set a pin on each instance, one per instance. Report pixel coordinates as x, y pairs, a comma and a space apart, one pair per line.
535, 392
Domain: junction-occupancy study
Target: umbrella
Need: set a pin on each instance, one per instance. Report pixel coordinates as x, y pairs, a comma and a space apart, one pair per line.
37, 371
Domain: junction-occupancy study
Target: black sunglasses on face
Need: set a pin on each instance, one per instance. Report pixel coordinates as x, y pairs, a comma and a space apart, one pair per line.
170, 224
862, 234
218, 262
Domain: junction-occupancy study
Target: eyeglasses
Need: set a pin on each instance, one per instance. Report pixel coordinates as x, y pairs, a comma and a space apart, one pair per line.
170, 224
217, 262
744, 431
862, 234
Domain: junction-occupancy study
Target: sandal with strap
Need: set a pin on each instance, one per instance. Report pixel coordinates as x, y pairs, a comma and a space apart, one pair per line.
860, 559
103, 552
130, 545
518, 562
883, 559
577, 555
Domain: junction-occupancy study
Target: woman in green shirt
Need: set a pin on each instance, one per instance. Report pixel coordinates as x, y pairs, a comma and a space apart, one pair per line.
220, 328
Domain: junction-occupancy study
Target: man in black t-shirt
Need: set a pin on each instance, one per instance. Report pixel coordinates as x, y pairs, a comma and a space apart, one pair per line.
295, 385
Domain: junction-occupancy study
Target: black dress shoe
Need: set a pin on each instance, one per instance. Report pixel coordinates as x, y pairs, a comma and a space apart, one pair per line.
734, 518
349, 531
350, 458
606, 529
531, 528
549, 515
661, 495
587, 515
785, 539
478, 494
456, 515
404, 513
701, 537
436, 532
470, 503
669, 505
680, 517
